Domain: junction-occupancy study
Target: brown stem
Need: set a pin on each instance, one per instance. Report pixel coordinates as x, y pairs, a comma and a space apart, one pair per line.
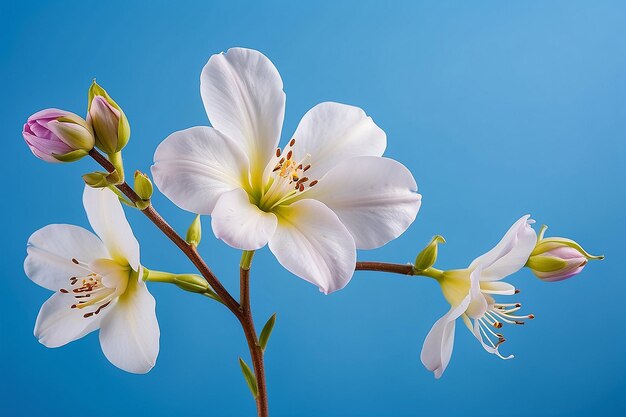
242, 312
189, 250
256, 353
404, 269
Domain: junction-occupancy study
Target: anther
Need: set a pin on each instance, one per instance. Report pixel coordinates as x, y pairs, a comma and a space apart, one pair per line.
517, 291
75, 261
292, 142
277, 152
289, 154
519, 322
87, 315
313, 183
63, 290
306, 167
518, 305
531, 316
301, 188
497, 324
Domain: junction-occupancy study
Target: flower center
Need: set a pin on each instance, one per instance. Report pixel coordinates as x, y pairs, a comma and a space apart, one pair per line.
287, 180
89, 292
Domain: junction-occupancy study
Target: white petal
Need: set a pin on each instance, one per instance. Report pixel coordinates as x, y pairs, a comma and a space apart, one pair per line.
241, 224
375, 198
438, 345
51, 250
194, 167
331, 132
491, 349
497, 287
510, 254
243, 96
313, 244
58, 324
478, 302
107, 219
129, 334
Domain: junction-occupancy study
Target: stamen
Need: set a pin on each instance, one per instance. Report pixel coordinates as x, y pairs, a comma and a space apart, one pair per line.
292, 142
277, 152
313, 183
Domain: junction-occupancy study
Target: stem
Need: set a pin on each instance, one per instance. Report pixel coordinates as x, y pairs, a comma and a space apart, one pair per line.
402, 269
242, 312
189, 250
247, 322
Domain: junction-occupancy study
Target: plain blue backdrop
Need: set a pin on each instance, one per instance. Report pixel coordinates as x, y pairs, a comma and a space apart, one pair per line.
498, 108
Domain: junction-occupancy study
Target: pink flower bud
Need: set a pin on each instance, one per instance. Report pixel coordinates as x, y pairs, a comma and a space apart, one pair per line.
55, 135
557, 258
109, 122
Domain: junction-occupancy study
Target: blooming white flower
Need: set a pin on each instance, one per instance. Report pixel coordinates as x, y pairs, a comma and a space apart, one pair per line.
469, 292
98, 284
327, 193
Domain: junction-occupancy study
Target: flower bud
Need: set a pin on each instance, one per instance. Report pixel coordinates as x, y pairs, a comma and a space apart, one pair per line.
191, 283
428, 256
55, 135
557, 258
109, 122
143, 186
194, 233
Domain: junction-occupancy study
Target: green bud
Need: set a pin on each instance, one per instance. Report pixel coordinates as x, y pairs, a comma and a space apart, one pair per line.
194, 233
428, 256
143, 186
110, 125
96, 179
191, 283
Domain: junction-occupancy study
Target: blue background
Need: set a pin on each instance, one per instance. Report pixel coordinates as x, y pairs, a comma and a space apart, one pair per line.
498, 108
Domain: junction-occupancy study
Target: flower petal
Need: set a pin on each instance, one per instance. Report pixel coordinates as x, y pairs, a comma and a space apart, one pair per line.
312, 243
107, 219
438, 345
241, 224
375, 198
497, 287
510, 254
51, 250
129, 334
194, 167
243, 96
332, 132
58, 324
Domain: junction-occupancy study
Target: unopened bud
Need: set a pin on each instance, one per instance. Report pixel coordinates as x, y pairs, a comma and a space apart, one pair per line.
109, 122
194, 233
557, 258
143, 186
55, 135
428, 256
191, 283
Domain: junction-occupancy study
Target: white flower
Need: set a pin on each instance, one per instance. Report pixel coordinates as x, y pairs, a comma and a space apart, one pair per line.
97, 283
327, 193
469, 293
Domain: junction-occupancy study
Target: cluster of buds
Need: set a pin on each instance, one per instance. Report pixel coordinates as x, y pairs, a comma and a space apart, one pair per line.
557, 258
60, 136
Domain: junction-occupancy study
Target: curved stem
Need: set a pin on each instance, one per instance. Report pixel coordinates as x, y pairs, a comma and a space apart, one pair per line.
247, 322
189, 250
242, 312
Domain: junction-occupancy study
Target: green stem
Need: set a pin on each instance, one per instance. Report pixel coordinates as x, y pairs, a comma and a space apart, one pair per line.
246, 259
431, 273
188, 282
116, 160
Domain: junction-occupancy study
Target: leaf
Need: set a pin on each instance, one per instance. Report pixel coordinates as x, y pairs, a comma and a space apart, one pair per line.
250, 378
267, 332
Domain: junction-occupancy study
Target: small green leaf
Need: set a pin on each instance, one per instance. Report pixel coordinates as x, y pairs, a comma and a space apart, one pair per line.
267, 331
250, 378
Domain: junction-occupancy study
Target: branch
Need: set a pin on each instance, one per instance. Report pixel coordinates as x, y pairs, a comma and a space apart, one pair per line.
403, 269
189, 250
